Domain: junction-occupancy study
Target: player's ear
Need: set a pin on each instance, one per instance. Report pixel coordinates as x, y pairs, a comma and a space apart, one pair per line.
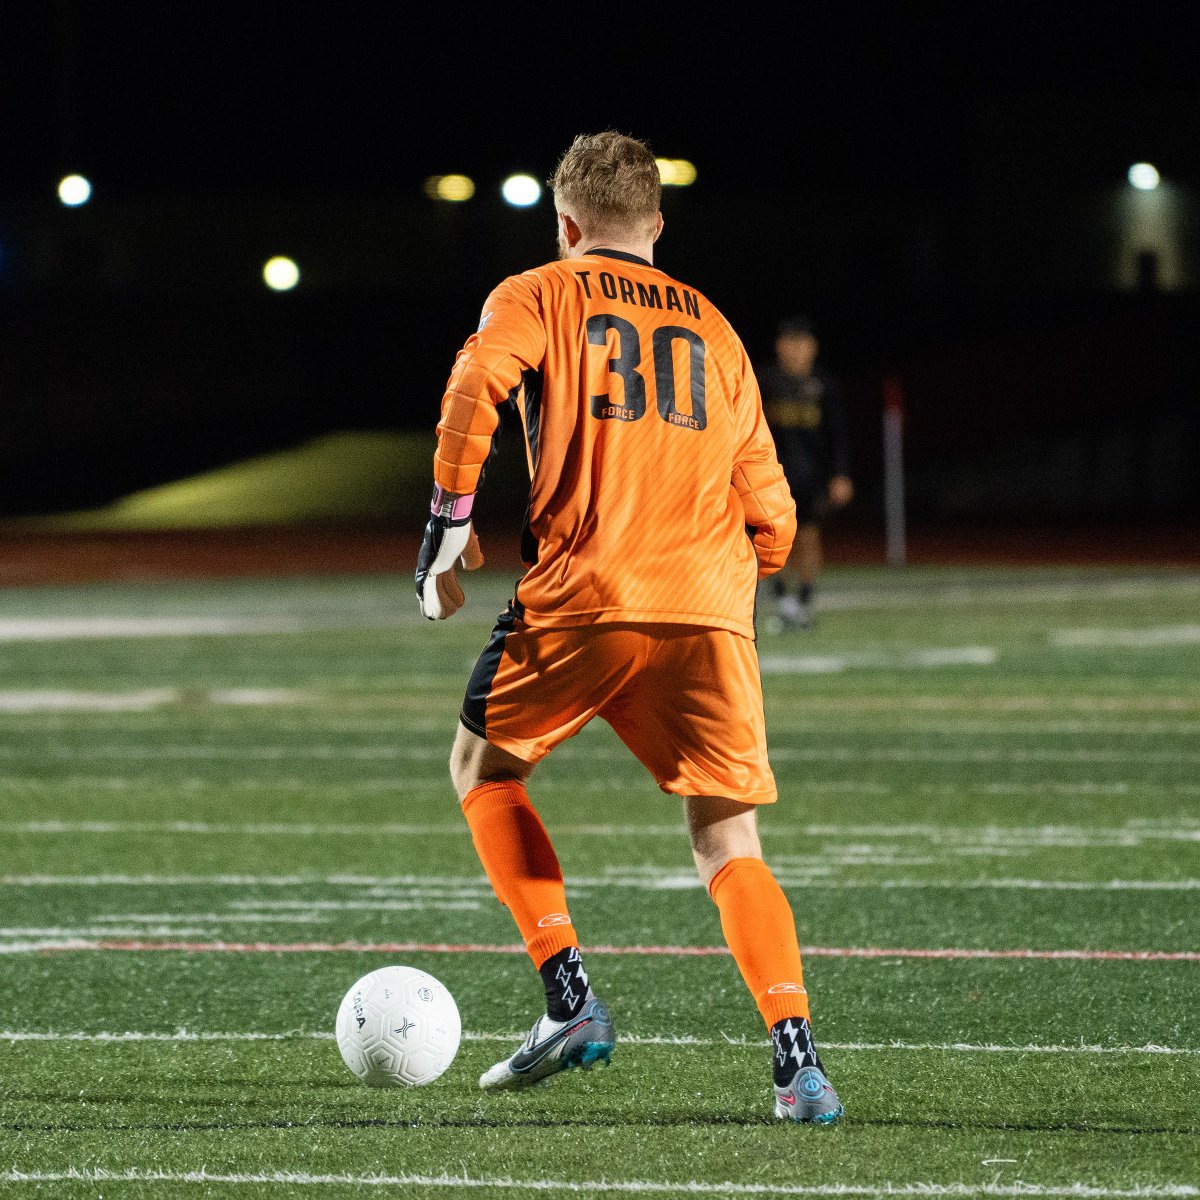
658, 228
571, 232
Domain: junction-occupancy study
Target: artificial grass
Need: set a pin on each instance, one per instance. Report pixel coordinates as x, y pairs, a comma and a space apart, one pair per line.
984, 806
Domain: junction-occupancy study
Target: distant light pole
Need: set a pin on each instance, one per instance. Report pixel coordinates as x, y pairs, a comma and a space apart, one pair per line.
893, 472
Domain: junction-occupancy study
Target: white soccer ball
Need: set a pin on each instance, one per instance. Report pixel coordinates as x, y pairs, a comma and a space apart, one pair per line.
398, 1027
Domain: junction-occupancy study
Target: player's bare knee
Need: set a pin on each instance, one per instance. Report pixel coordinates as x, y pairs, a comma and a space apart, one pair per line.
473, 761
464, 759
465, 771
721, 829
459, 776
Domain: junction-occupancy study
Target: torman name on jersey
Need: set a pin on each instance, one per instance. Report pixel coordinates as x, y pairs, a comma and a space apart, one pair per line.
646, 295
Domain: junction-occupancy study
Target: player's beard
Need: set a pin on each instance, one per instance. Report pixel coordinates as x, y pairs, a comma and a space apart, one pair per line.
564, 251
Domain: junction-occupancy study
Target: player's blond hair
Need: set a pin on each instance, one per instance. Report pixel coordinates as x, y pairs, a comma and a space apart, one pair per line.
609, 184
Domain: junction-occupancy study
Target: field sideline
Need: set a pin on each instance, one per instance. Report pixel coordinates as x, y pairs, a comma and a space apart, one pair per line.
225, 800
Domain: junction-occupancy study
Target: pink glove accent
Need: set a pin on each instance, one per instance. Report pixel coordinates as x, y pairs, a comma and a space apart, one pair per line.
451, 507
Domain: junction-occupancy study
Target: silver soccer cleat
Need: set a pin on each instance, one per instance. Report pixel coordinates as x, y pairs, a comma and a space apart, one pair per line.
808, 1098
554, 1046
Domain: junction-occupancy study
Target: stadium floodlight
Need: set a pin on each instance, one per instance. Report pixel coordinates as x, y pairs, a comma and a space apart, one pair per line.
280, 273
676, 172
74, 190
454, 188
521, 191
1144, 176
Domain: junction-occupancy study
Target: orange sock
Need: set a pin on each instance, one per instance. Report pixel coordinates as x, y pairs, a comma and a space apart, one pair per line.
516, 853
758, 926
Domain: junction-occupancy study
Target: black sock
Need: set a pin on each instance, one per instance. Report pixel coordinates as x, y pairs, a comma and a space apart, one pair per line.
806, 593
791, 1040
566, 984
779, 587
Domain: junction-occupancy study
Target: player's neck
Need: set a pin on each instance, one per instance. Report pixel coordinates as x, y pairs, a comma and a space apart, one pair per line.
637, 249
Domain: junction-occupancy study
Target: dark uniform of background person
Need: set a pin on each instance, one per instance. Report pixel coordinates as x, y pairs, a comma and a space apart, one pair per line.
803, 405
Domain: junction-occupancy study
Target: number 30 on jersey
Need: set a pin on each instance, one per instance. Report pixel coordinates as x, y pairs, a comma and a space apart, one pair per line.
627, 364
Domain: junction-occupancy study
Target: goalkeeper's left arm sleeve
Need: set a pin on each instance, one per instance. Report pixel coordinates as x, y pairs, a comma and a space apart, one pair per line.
511, 339
487, 373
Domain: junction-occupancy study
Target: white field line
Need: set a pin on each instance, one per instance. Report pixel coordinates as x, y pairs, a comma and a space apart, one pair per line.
1046, 787
365, 608
374, 905
894, 955
984, 836
1021, 702
42, 946
294, 912
54, 629
975, 727
168, 929
904, 754
1055, 592
1077, 1191
106, 919
255, 915
482, 889
667, 881
209, 705
580, 752
922, 658
239, 829
1126, 639
59, 713
36, 702
376, 711
189, 1035
38, 785
143, 701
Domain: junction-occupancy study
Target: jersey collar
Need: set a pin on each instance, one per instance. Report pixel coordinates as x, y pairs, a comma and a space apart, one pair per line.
603, 252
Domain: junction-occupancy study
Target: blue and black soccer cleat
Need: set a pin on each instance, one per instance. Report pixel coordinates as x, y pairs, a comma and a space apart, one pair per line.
554, 1046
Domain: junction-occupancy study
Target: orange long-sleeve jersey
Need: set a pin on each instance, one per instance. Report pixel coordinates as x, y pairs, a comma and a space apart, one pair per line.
656, 495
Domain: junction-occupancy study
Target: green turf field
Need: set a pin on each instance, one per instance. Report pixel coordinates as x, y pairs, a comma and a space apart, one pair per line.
254, 774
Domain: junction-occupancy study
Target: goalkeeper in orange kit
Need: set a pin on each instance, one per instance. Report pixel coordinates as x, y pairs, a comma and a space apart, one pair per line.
656, 503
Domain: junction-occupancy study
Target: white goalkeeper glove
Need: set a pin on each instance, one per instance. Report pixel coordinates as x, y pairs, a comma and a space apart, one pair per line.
449, 541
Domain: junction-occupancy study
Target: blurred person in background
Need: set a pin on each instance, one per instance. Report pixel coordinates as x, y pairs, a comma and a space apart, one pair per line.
803, 406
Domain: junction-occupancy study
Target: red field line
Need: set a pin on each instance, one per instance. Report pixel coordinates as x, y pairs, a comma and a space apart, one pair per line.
682, 951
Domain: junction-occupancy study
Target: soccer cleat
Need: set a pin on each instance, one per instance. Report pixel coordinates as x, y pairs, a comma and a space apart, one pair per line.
809, 1098
795, 613
553, 1046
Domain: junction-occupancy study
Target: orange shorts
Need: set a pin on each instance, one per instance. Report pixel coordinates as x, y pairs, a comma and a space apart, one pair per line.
687, 701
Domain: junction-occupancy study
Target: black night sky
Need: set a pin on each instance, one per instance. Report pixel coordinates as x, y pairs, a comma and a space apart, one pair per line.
941, 186
213, 97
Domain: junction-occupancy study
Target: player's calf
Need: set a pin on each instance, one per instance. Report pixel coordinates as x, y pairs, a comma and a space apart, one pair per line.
761, 934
